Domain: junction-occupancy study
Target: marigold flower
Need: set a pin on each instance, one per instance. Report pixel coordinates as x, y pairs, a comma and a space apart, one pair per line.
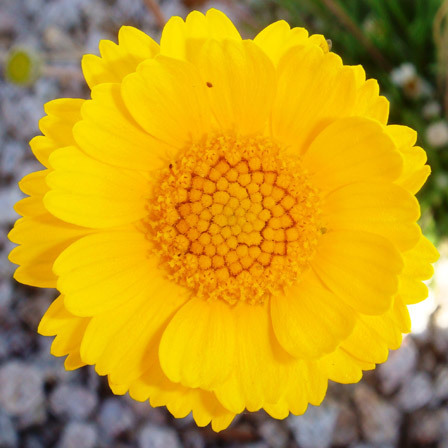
230, 223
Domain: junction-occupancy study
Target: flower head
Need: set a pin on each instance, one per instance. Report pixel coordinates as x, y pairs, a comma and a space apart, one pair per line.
230, 223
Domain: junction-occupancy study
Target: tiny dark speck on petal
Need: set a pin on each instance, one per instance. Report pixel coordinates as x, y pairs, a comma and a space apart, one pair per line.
209, 84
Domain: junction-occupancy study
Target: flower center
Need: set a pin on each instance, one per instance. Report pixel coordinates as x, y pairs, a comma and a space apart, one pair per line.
235, 219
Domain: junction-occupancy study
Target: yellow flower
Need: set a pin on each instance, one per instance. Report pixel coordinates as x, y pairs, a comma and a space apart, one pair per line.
230, 223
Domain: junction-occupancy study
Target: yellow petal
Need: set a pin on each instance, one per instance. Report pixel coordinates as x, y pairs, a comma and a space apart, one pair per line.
368, 102
117, 389
257, 376
117, 61
417, 267
149, 308
41, 239
197, 348
65, 109
412, 290
385, 327
418, 261
55, 318
214, 412
352, 150
277, 38
103, 270
415, 172
42, 146
41, 236
73, 361
313, 89
367, 343
307, 384
377, 207
205, 409
240, 80
30, 206
137, 43
124, 341
402, 136
108, 133
181, 400
183, 40
343, 368
309, 320
62, 114
34, 184
89, 193
34, 274
167, 97
68, 328
69, 339
373, 336
400, 315
361, 268
56, 126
